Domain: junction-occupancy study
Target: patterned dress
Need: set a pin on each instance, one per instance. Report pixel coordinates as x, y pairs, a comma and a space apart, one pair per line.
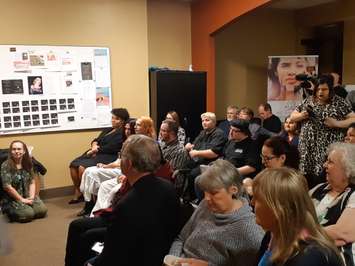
20, 180
315, 136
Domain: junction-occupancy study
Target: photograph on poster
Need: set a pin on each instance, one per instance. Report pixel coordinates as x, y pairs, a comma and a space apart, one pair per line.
36, 123
27, 123
15, 104
86, 71
71, 118
53, 101
63, 107
25, 109
54, 121
37, 60
35, 117
17, 124
62, 101
34, 108
25, 103
71, 100
6, 104
44, 108
7, 118
26, 117
16, 118
15, 110
54, 115
282, 71
45, 116
8, 125
43, 102
53, 107
71, 106
102, 96
35, 85
12, 86
34, 102
6, 110
45, 122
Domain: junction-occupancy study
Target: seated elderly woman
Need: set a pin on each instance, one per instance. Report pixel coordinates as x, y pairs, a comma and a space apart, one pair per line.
222, 230
284, 209
335, 199
103, 149
19, 200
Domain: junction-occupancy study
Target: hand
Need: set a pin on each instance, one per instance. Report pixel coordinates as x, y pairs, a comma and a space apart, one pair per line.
330, 122
101, 165
189, 146
121, 178
27, 201
192, 262
193, 153
304, 115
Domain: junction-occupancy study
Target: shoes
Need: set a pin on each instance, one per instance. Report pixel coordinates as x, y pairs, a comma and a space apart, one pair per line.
85, 212
78, 200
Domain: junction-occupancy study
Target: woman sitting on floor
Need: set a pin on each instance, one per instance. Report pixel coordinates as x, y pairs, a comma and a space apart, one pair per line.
20, 202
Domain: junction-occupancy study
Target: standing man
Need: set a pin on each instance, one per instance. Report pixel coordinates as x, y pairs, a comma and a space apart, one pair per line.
269, 121
232, 114
145, 221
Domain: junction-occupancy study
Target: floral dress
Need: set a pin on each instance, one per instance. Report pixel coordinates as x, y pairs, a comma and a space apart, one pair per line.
315, 136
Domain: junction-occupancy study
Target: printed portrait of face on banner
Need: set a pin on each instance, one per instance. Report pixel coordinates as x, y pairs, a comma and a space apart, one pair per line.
282, 71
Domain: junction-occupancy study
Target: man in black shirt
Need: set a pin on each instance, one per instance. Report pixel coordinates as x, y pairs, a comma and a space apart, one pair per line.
269, 121
240, 150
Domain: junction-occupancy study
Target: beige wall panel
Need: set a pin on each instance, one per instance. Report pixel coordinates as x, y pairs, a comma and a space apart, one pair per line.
169, 34
120, 25
241, 56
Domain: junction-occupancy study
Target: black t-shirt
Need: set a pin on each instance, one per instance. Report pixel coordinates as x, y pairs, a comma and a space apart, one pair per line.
242, 153
273, 124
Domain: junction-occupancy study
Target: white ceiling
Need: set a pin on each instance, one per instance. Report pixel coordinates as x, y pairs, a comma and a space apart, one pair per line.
297, 4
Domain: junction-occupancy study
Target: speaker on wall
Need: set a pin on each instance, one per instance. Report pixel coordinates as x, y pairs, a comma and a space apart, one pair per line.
181, 91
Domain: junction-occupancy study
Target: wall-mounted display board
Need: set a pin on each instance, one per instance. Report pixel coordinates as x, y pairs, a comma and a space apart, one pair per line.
54, 88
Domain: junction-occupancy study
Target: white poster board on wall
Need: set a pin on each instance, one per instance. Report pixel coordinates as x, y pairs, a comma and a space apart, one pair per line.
54, 88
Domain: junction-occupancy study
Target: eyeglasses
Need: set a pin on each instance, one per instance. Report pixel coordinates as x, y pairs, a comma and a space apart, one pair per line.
267, 158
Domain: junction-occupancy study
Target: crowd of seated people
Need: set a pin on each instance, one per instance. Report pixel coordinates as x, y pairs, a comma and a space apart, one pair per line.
224, 171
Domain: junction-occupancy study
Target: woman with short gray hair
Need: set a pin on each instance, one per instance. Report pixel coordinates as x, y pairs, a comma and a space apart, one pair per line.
210, 233
335, 199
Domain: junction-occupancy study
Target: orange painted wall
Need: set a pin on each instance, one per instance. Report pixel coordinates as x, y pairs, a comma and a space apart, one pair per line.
207, 17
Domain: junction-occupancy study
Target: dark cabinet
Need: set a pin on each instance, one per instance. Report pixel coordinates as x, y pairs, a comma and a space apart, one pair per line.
181, 91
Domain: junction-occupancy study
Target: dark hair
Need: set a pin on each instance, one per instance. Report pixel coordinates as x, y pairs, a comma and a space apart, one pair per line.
172, 125
280, 146
325, 79
352, 125
121, 113
271, 71
26, 161
175, 116
248, 111
131, 122
266, 107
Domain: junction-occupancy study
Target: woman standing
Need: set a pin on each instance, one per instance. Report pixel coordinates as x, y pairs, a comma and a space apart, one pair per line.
284, 209
315, 136
20, 202
104, 149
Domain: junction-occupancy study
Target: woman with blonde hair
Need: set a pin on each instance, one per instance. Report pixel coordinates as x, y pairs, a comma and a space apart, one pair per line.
145, 126
284, 209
